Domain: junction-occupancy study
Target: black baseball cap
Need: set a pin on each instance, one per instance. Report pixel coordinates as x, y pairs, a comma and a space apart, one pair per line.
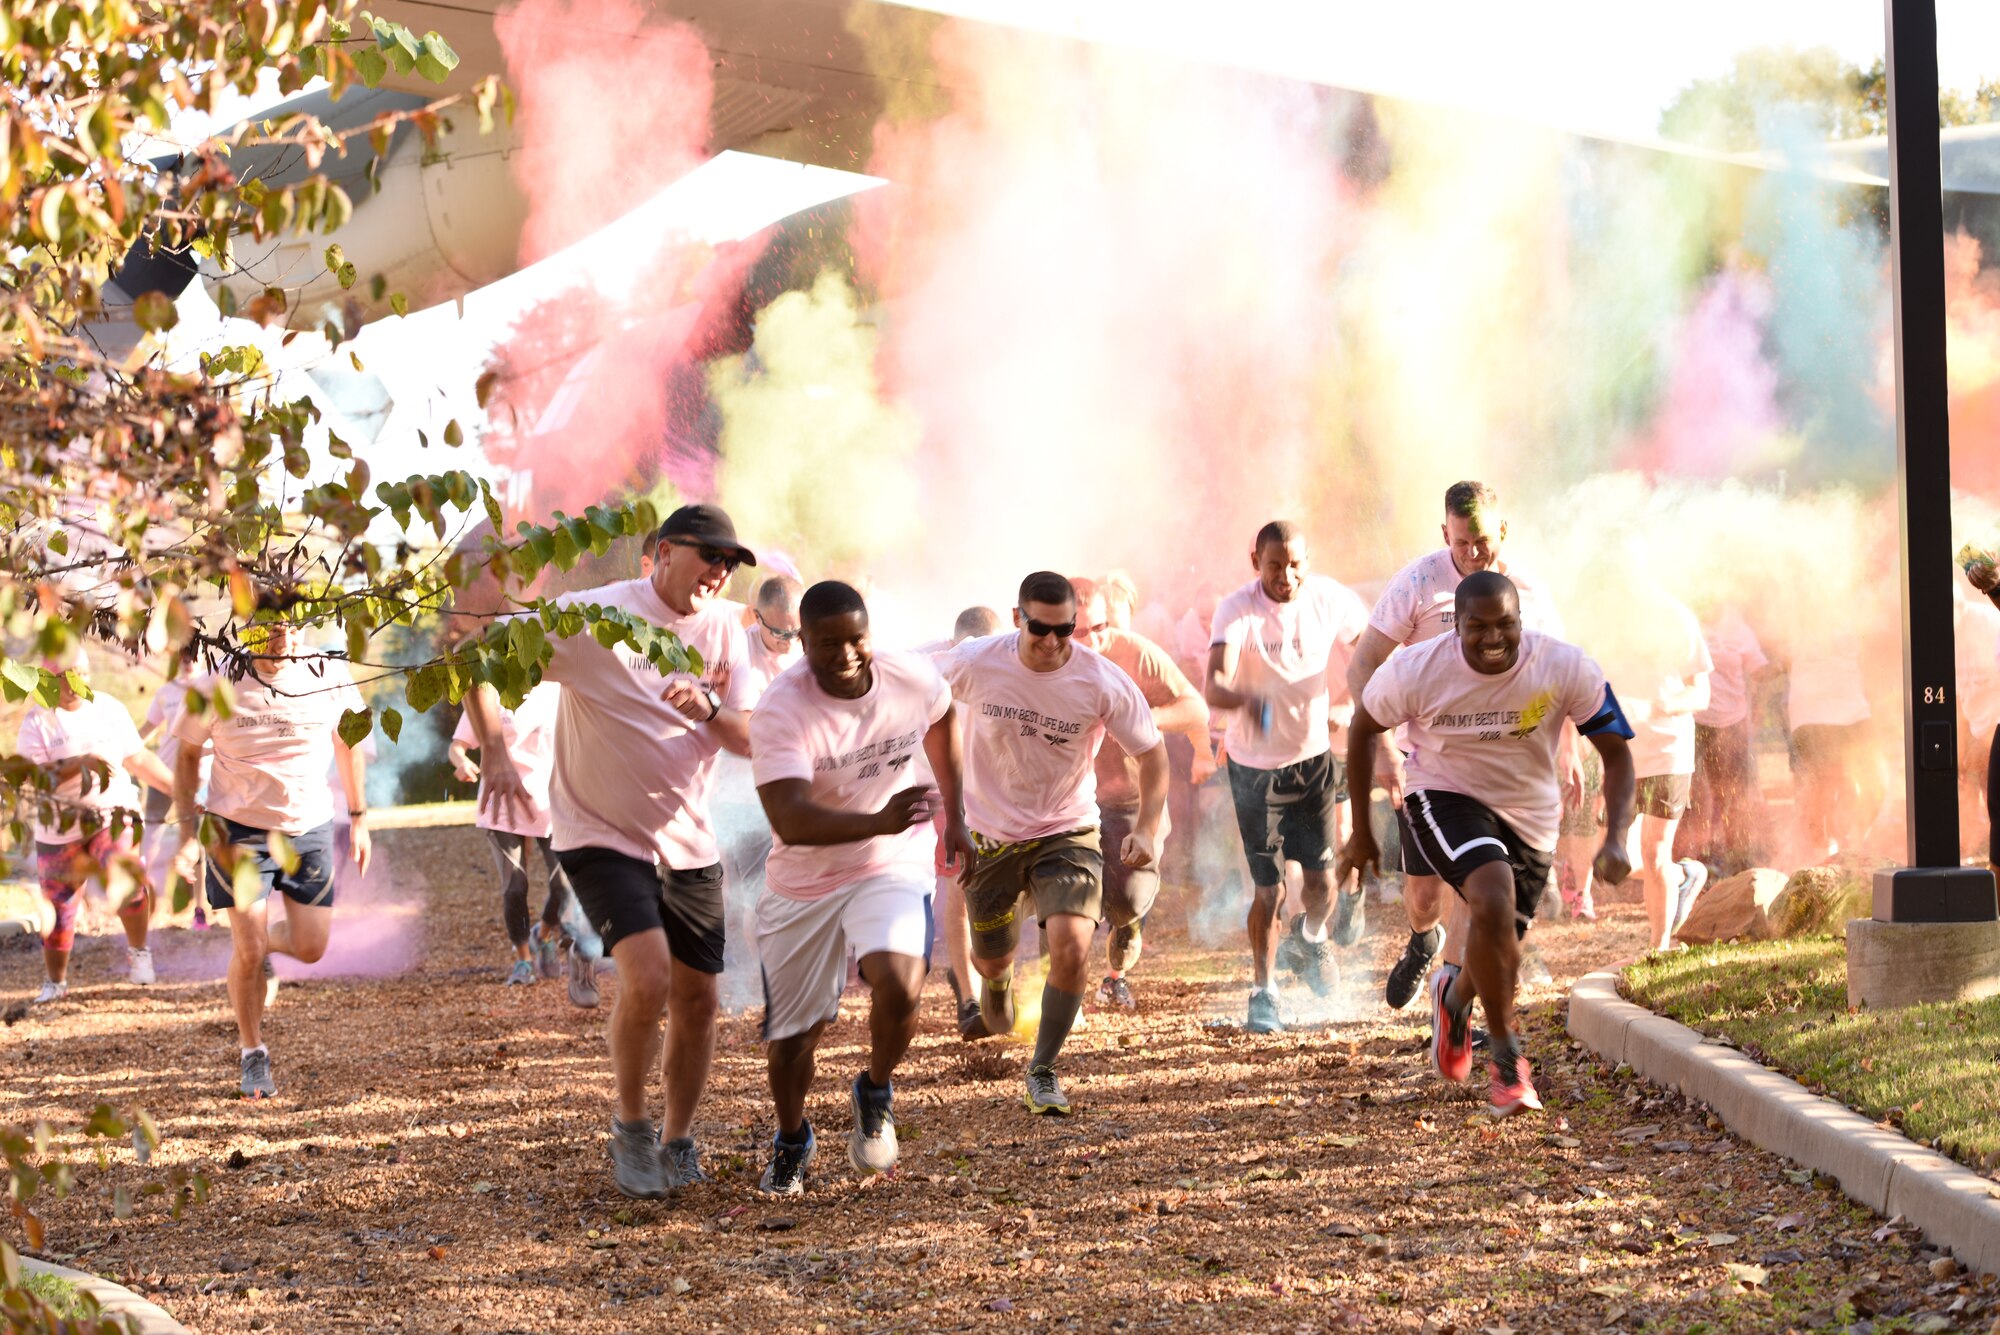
704, 523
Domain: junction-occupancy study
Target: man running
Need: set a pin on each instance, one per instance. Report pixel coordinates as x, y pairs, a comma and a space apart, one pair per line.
1036, 707
1417, 606
1483, 708
75, 842
529, 734
773, 630
1278, 656
972, 624
847, 752
635, 763
267, 788
1129, 892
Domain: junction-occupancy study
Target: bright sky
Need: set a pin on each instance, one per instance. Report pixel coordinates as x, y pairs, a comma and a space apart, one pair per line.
1600, 66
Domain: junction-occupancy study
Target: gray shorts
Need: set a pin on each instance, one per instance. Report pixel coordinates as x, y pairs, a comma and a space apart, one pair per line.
804, 943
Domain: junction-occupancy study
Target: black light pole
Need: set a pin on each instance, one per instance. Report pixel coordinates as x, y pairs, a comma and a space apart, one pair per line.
1934, 888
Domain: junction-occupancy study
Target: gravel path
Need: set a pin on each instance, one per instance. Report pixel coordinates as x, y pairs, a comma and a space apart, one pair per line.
435, 1162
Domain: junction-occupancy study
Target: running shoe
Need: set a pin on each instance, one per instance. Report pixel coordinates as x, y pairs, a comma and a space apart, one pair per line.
1264, 1017
522, 974
1125, 945
257, 1082
871, 1148
1694, 876
548, 957
1513, 1088
636, 1167
1406, 976
1534, 971
1117, 992
971, 1024
582, 979
140, 961
1451, 1043
1312, 961
51, 991
1045, 1095
270, 983
1350, 917
681, 1162
785, 1175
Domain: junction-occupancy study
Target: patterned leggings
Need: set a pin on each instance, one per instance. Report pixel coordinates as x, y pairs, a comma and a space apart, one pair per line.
65, 870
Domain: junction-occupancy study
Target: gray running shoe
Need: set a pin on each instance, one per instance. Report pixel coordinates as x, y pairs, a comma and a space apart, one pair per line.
680, 1161
522, 974
548, 959
1350, 918
270, 983
1694, 876
785, 1175
971, 1024
1044, 1095
257, 1083
871, 1147
1264, 1017
1312, 961
1117, 992
635, 1160
582, 980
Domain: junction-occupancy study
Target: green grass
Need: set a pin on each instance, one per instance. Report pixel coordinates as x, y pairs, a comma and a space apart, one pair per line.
1932, 1070
60, 1294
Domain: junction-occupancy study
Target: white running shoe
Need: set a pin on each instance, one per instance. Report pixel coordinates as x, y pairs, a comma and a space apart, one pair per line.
141, 961
51, 991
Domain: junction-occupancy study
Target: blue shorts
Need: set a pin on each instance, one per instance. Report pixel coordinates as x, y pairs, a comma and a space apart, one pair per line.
310, 883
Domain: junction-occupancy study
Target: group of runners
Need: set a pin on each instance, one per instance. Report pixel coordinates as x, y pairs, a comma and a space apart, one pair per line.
1001, 772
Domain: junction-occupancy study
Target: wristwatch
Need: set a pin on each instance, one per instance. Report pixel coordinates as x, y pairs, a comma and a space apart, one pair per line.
714, 703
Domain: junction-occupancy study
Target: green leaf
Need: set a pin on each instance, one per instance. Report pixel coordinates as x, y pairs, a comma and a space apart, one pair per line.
424, 687
59, 543
435, 58
345, 275
354, 725
370, 65
392, 723
154, 312
335, 258
399, 303
453, 433
78, 685
18, 680
283, 851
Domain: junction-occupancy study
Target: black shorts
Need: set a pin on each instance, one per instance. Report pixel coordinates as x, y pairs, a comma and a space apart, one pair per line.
1664, 796
1458, 835
1411, 852
1286, 814
310, 881
623, 896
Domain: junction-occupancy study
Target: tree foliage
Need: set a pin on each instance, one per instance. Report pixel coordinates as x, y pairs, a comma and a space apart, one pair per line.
1770, 90
172, 509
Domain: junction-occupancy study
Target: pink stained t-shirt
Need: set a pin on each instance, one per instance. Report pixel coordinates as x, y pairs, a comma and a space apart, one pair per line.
529, 735
1420, 603
273, 751
632, 773
1737, 656
1656, 657
765, 666
1295, 655
856, 754
1031, 737
100, 728
1489, 737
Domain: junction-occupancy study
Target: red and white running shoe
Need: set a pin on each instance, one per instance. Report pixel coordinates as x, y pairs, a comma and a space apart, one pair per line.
1513, 1089
1451, 1035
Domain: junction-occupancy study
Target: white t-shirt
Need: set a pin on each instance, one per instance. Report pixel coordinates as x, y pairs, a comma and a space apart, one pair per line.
856, 754
632, 773
1733, 647
166, 709
1655, 657
1031, 737
97, 727
1420, 602
529, 736
1295, 656
272, 754
764, 665
1490, 738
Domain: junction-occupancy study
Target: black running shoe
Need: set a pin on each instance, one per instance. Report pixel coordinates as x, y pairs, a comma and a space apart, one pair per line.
971, 1024
785, 1175
1406, 978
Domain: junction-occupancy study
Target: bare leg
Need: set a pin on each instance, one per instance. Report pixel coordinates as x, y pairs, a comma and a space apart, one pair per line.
643, 965
1493, 952
1316, 898
1659, 878
136, 917
957, 935
1424, 900
897, 982
1266, 909
694, 1000
789, 1063
56, 962
302, 933
249, 943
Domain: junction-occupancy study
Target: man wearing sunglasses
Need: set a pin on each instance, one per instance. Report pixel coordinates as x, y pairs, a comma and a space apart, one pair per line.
773, 630
629, 802
1036, 706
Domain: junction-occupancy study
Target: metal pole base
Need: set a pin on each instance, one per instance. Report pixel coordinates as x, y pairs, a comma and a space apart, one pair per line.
1936, 894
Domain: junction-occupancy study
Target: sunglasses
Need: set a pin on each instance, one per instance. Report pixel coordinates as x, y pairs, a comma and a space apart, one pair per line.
786, 635
1062, 630
709, 552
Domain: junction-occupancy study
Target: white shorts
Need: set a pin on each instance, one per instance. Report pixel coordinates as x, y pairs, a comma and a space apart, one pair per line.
804, 944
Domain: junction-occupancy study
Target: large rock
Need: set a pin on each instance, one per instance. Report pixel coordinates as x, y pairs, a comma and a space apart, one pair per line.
1818, 901
1736, 909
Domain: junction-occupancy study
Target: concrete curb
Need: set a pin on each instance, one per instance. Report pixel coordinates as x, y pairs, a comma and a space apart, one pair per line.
13, 927
115, 1299
1882, 1169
